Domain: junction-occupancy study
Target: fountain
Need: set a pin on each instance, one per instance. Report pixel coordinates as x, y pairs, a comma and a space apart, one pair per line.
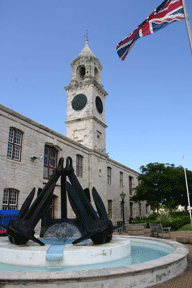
80, 252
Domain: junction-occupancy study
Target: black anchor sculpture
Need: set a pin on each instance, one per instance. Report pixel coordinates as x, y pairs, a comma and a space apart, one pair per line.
96, 227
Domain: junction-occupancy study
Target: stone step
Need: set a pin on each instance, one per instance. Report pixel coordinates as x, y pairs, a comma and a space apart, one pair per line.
184, 239
147, 235
135, 233
134, 228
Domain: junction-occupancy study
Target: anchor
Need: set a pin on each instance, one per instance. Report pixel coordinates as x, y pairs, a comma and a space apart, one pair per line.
91, 224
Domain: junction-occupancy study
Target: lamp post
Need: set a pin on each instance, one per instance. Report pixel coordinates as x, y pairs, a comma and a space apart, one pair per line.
122, 198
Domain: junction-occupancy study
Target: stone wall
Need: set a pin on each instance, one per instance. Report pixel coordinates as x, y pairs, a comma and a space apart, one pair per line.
26, 174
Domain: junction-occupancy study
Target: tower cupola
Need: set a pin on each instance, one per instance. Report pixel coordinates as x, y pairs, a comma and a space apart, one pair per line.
86, 66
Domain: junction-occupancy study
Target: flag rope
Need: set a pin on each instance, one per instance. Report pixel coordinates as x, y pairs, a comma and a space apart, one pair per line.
187, 24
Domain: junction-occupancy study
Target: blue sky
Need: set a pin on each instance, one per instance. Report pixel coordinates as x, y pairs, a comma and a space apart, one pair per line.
149, 106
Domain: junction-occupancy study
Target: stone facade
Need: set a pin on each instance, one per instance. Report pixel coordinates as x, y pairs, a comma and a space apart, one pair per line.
27, 173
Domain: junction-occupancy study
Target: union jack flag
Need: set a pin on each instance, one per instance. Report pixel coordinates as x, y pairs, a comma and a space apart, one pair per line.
168, 12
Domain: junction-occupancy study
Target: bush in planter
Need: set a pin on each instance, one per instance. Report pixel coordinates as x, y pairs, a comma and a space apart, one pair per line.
138, 220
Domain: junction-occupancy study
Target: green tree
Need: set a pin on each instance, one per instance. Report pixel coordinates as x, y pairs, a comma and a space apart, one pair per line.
163, 184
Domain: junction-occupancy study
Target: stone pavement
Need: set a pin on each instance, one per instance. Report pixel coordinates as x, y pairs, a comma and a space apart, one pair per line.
184, 280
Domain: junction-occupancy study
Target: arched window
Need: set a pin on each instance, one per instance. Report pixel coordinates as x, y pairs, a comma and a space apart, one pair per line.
50, 161
10, 199
109, 175
96, 73
130, 185
121, 179
139, 209
109, 209
121, 207
79, 166
81, 72
52, 206
14, 144
131, 210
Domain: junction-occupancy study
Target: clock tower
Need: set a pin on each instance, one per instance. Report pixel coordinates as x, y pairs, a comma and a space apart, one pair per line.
86, 102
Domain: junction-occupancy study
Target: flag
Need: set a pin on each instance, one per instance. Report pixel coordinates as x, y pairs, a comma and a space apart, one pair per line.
168, 12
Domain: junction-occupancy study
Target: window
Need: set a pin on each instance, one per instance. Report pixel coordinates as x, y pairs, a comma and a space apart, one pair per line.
147, 208
139, 209
130, 185
81, 72
50, 162
52, 206
14, 144
121, 179
122, 204
131, 210
10, 199
96, 73
109, 209
79, 166
109, 175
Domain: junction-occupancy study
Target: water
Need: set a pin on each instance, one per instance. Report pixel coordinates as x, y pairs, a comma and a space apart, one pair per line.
140, 252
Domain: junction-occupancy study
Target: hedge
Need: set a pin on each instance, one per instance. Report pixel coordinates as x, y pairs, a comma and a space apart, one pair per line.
175, 223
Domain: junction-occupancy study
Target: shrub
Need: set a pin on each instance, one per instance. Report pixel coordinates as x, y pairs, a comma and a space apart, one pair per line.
175, 220
186, 219
179, 214
175, 223
163, 217
152, 217
140, 220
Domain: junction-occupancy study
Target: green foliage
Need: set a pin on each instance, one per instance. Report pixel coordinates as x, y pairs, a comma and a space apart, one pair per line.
186, 227
152, 217
140, 220
179, 214
163, 217
175, 220
163, 184
176, 223
186, 219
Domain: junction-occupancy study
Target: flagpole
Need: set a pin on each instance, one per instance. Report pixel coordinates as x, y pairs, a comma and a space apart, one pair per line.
187, 191
187, 24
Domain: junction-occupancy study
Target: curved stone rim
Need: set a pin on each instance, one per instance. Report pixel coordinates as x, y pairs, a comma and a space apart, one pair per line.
179, 253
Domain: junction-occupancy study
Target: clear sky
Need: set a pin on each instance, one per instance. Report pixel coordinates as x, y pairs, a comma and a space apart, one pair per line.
149, 106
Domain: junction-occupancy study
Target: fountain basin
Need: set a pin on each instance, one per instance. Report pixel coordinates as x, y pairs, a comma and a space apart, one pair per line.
34, 255
137, 275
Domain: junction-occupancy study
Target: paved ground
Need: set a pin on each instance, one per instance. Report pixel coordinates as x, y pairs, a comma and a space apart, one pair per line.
183, 280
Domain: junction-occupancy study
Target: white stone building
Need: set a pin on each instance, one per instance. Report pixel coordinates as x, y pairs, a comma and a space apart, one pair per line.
30, 151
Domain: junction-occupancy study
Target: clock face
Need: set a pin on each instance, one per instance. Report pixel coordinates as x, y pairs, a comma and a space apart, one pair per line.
99, 104
79, 102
